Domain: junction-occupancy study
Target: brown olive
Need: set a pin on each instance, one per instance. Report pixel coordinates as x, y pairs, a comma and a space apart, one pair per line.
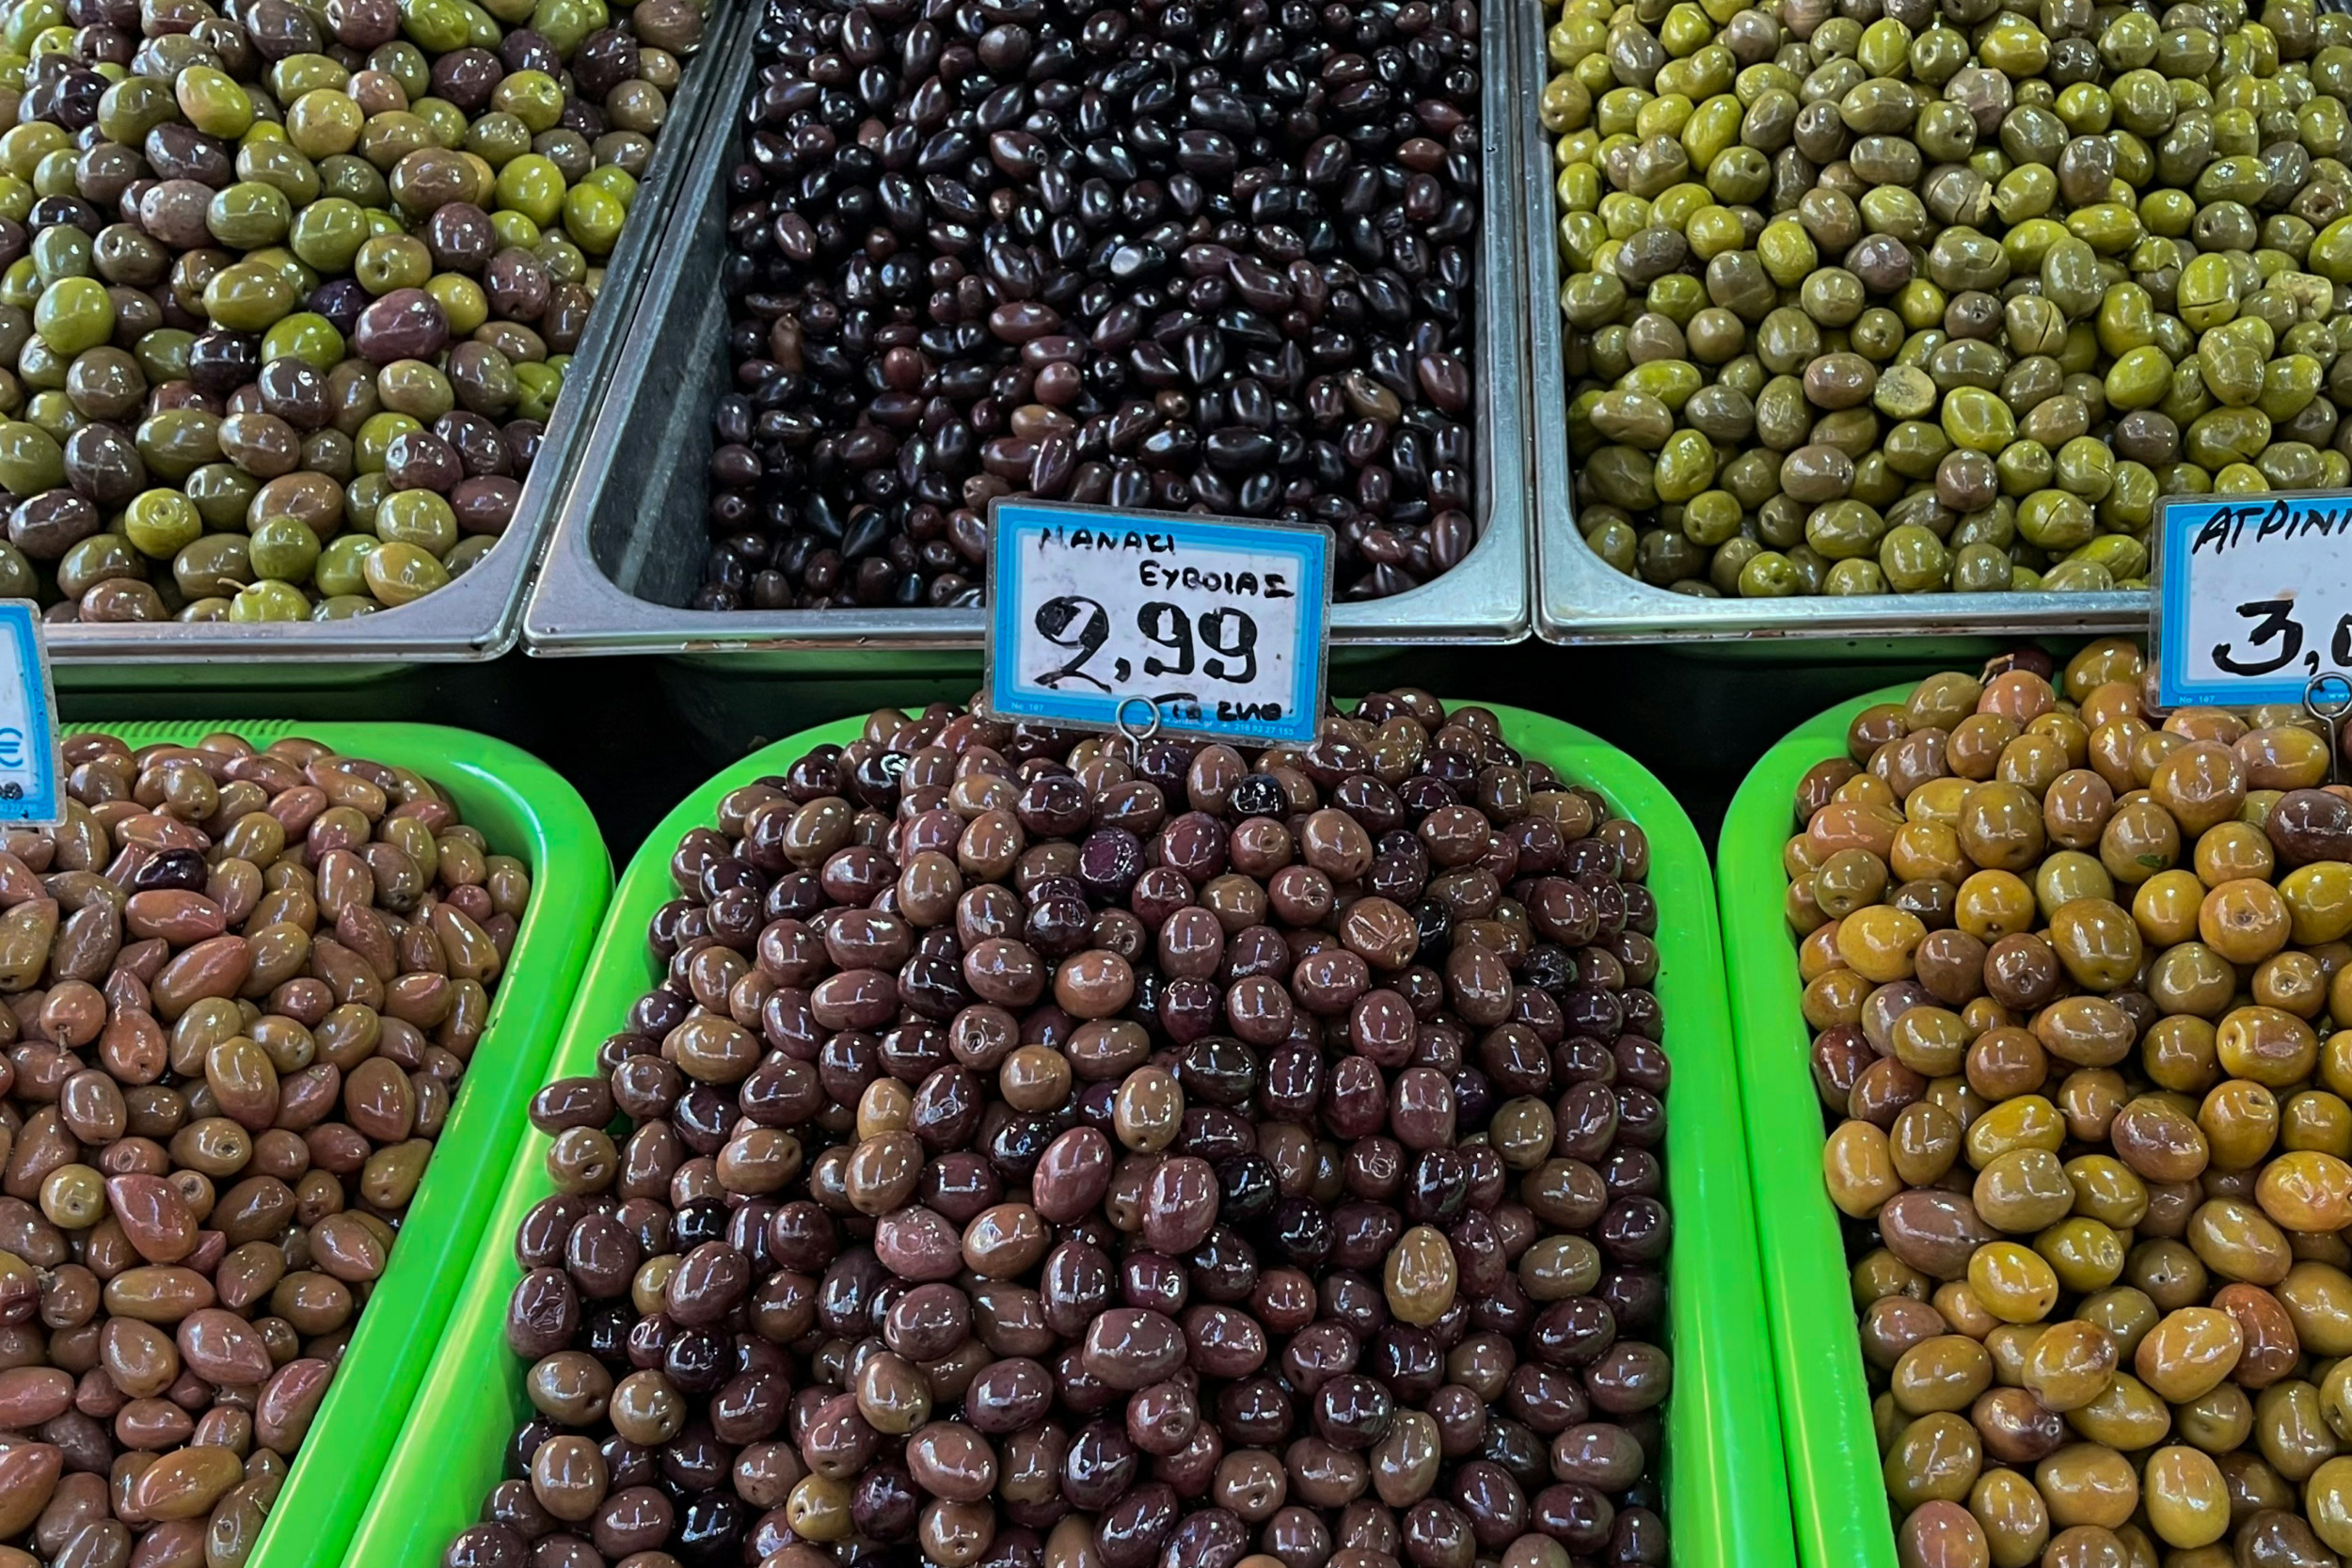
229, 1101
2088, 1132
1142, 1181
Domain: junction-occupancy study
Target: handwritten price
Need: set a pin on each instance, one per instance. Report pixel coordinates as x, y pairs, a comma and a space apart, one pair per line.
1074, 621
2273, 622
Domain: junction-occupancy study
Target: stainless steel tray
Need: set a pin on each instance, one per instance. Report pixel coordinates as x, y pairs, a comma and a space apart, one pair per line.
627, 552
1582, 598
477, 616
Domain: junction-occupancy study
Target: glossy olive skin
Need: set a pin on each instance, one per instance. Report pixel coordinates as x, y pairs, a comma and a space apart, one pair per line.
219, 1109
1017, 1155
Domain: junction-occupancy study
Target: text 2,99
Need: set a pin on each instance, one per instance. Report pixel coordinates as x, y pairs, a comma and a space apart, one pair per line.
1081, 625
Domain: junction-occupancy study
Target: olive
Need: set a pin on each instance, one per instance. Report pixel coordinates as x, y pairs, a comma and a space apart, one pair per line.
207, 223
979, 1188
1948, 295
2089, 1136
1249, 318
192, 1015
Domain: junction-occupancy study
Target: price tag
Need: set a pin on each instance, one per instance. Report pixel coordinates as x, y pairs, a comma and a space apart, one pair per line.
2254, 596
1218, 624
28, 721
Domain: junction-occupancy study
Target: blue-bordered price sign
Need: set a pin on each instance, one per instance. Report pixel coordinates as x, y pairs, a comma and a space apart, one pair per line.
2253, 597
1217, 624
28, 721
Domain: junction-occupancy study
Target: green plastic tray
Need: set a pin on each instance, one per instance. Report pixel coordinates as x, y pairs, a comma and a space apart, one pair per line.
1727, 1495
1843, 1518
525, 810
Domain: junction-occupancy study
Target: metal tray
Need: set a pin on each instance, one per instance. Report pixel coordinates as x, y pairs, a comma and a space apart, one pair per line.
477, 616
1582, 598
627, 552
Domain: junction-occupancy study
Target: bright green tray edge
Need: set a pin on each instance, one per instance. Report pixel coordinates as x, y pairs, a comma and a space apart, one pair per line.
1843, 1520
451, 1450
525, 809
1727, 1492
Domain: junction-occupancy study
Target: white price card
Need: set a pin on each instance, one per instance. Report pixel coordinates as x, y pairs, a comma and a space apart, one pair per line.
28, 721
1104, 619
2254, 596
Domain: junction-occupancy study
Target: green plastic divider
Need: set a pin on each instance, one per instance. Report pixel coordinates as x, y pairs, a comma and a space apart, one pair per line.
1728, 1496
524, 809
1843, 1517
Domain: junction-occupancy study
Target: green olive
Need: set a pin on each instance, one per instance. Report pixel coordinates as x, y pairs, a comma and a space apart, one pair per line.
162, 523
213, 103
100, 558
328, 232
247, 297
307, 335
250, 215
1769, 575
73, 314
31, 460
343, 607
538, 386
535, 187
340, 565
397, 573
178, 441
285, 548
2106, 255
269, 600
419, 517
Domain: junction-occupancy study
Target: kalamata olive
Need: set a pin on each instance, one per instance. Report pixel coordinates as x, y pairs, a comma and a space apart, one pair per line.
1134, 337
1088, 1261
251, 981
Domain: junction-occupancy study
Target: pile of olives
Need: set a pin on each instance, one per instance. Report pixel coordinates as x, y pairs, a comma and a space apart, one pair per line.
1906, 295
288, 289
239, 992
1039, 1152
2077, 978
1213, 257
